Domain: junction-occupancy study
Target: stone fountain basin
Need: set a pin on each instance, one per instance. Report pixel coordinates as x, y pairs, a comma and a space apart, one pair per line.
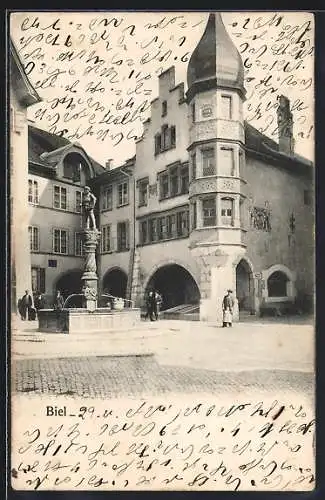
80, 320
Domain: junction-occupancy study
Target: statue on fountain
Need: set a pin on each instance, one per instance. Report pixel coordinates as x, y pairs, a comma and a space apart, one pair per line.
88, 205
91, 239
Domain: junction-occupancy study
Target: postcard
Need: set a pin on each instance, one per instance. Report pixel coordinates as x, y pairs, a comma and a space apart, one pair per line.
162, 250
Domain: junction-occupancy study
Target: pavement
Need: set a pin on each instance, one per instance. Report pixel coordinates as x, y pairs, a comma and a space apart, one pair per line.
168, 356
247, 345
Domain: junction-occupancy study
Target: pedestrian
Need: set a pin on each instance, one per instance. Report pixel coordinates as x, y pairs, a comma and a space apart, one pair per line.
39, 302
158, 302
227, 309
150, 305
24, 305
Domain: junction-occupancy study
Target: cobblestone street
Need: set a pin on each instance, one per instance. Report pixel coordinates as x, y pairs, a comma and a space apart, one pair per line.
166, 357
109, 377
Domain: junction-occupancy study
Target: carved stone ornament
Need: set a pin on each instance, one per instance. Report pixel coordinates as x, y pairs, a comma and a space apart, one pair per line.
89, 293
227, 184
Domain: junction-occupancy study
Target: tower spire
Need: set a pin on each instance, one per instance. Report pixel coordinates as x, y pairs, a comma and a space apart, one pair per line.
215, 62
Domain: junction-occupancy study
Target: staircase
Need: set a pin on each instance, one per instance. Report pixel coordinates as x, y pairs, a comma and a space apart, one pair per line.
188, 312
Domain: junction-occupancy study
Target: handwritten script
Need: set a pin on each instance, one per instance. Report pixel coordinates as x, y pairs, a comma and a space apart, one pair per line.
97, 72
246, 444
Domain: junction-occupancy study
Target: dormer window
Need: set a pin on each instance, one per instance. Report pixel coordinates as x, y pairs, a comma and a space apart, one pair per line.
72, 166
164, 108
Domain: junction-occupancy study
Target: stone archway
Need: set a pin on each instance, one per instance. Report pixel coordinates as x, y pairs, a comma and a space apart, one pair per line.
115, 282
69, 283
245, 290
175, 284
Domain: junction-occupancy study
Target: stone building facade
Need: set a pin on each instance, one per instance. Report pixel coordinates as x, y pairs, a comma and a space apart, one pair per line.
217, 204
206, 204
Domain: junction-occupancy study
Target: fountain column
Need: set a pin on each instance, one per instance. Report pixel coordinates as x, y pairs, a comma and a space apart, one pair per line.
89, 278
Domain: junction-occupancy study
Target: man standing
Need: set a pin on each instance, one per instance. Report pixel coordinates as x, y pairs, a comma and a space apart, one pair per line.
151, 305
227, 308
25, 305
158, 302
39, 302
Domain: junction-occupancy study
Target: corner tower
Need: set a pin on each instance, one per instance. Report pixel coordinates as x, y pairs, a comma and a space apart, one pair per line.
215, 96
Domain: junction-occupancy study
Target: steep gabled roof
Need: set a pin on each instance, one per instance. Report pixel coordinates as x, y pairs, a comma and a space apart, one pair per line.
40, 141
259, 144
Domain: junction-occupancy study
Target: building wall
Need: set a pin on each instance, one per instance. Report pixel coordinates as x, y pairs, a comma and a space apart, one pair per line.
46, 218
147, 163
283, 195
20, 255
118, 214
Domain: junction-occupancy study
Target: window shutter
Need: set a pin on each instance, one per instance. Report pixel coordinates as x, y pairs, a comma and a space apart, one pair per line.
157, 143
42, 279
127, 235
173, 135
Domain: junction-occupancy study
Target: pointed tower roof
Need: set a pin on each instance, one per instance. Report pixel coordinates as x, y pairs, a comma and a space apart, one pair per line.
215, 62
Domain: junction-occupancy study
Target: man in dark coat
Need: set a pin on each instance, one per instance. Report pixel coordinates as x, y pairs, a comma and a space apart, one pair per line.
39, 302
227, 308
25, 305
151, 305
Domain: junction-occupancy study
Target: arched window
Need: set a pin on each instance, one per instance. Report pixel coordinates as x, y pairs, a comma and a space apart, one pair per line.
277, 284
73, 163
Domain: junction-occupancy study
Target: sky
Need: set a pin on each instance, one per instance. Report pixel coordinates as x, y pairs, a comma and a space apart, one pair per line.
97, 72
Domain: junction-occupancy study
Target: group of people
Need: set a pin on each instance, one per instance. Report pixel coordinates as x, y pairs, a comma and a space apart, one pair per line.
153, 304
28, 307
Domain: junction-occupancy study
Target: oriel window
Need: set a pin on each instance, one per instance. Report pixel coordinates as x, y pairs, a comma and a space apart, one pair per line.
209, 211
227, 211
208, 162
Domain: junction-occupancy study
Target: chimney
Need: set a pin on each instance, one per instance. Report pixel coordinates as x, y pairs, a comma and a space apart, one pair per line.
285, 126
108, 164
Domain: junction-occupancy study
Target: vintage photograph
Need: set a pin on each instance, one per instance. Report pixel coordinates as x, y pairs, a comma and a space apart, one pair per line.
162, 250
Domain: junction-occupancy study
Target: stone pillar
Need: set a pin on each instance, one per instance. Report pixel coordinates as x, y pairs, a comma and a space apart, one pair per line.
217, 275
89, 278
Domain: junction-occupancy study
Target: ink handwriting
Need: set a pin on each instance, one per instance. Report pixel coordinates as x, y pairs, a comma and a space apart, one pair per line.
263, 444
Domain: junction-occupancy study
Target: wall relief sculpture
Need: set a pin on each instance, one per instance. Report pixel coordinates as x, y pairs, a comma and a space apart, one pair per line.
260, 218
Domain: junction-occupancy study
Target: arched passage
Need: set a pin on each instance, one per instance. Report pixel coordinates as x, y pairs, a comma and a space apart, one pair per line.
69, 283
277, 284
176, 286
245, 287
114, 282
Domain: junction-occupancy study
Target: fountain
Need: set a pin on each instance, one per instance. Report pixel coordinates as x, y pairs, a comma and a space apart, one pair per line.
89, 318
